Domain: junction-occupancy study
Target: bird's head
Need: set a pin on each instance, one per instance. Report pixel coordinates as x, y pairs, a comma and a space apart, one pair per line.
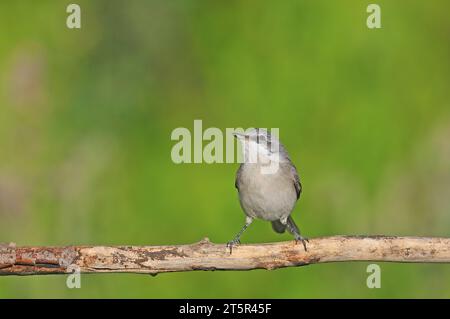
260, 146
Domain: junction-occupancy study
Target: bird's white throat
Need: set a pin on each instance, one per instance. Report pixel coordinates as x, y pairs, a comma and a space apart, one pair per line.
259, 153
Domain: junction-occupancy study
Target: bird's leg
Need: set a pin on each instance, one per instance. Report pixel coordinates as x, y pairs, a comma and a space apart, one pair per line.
304, 240
237, 238
294, 230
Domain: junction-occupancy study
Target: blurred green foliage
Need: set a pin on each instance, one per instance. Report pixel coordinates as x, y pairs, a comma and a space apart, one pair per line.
86, 117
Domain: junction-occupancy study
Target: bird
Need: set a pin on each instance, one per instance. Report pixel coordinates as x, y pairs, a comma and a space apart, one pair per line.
269, 195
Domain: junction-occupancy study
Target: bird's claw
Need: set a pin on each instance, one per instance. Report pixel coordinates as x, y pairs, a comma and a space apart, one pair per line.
304, 240
232, 243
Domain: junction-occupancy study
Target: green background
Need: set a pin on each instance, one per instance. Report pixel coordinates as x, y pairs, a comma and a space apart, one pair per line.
86, 117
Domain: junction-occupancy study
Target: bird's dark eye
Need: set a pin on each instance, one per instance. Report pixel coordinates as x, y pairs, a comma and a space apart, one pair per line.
260, 139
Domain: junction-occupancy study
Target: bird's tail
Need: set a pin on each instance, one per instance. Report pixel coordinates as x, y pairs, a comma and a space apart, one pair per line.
280, 228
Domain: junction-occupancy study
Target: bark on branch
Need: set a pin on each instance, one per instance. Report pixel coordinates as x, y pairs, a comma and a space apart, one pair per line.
205, 255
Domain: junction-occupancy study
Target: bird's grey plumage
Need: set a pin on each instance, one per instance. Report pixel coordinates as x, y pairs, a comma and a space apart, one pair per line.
271, 197
267, 196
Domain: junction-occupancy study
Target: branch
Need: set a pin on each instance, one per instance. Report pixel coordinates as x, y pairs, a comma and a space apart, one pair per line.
205, 255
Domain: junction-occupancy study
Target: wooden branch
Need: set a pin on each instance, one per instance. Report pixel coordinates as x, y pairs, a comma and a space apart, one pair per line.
205, 255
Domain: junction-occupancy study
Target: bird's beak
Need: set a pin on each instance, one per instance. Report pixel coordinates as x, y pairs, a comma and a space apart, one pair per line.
238, 135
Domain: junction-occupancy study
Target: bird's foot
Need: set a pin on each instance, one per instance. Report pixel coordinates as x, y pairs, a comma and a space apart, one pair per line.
304, 240
231, 244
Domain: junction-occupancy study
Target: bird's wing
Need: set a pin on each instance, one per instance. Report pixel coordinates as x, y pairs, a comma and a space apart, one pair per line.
296, 178
238, 176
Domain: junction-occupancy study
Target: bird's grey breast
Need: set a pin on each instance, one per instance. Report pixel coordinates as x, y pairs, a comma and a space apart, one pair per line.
266, 196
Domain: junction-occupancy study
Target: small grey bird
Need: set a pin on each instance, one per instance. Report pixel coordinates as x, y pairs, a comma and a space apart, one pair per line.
267, 195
